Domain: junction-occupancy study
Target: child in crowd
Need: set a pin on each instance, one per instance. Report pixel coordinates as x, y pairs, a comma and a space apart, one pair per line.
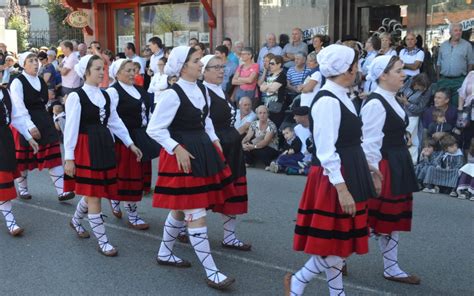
439, 127
171, 80
288, 159
465, 188
139, 80
428, 158
445, 171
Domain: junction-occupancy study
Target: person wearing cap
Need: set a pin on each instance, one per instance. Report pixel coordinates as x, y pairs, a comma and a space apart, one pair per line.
222, 114
90, 162
29, 94
191, 163
332, 216
8, 163
384, 143
132, 106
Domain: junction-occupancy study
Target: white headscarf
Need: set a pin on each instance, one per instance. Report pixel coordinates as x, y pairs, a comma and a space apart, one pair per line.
176, 60
80, 67
205, 60
114, 68
22, 58
335, 59
377, 66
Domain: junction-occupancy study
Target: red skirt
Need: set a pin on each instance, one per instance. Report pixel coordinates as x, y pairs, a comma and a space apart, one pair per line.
130, 175
321, 226
390, 212
238, 203
48, 156
180, 191
147, 176
7, 185
88, 181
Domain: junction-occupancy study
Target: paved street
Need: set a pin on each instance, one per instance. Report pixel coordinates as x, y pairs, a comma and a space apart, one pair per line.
50, 260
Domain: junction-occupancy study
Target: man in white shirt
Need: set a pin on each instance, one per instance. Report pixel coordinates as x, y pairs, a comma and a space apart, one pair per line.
129, 51
302, 131
411, 56
270, 47
69, 77
244, 116
156, 46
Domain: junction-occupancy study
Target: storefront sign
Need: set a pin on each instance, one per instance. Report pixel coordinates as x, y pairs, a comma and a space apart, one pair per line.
309, 33
467, 24
123, 40
78, 19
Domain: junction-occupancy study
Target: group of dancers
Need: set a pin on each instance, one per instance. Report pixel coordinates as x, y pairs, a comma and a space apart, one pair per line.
360, 183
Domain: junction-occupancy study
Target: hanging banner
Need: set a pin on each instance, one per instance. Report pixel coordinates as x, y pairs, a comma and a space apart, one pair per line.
467, 24
78, 19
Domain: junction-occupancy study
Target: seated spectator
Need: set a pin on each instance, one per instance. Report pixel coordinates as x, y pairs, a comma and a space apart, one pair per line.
441, 102
244, 115
312, 83
296, 76
274, 88
291, 154
318, 43
466, 110
439, 127
245, 77
229, 70
465, 189
261, 141
445, 170
428, 158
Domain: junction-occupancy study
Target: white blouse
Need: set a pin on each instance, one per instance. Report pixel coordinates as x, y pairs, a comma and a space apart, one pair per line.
20, 112
326, 113
166, 109
73, 119
373, 118
17, 124
132, 91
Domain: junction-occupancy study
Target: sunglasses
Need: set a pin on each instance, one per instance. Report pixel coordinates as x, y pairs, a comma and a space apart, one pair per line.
272, 63
217, 67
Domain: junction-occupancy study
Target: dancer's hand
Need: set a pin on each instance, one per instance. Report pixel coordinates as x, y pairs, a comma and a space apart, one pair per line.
377, 178
34, 145
35, 133
218, 144
70, 168
345, 199
183, 157
137, 152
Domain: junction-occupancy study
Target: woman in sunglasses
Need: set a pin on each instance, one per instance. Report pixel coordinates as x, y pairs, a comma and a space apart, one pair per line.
275, 88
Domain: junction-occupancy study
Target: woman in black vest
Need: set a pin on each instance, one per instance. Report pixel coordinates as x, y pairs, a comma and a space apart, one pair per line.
133, 108
386, 148
7, 160
29, 94
332, 215
192, 174
89, 149
222, 114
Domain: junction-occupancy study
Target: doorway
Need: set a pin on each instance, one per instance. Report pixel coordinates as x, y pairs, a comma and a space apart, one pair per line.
124, 25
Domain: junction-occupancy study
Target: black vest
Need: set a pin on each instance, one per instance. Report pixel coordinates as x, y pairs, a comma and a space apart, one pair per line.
188, 117
5, 109
394, 127
129, 109
33, 99
90, 113
222, 113
7, 145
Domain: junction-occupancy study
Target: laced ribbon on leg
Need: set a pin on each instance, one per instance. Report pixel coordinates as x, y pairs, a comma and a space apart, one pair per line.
389, 247
6, 209
334, 280
133, 217
57, 176
199, 241
115, 206
170, 234
22, 182
97, 225
81, 211
229, 231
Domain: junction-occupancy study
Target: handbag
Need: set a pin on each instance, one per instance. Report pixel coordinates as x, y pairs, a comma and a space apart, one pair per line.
274, 106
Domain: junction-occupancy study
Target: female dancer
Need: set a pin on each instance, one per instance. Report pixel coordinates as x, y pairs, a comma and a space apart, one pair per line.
8, 161
192, 175
29, 95
384, 124
332, 216
89, 149
222, 114
133, 108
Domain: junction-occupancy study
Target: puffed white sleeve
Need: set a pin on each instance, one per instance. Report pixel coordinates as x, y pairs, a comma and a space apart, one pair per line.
19, 123
373, 118
163, 115
326, 113
115, 124
20, 112
209, 126
71, 129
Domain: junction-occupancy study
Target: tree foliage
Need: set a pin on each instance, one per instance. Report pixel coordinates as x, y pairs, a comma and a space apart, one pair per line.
57, 11
18, 19
166, 21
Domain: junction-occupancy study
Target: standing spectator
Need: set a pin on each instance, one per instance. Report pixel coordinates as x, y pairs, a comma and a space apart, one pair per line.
372, 47
223, 52
455, 60
8, 69
193, 42
312, 83
231, 55
244, 115
296, 76
269, 47
466, 110
75, 50
386, 45
318, 43
156, 46
411, 56
296, 46
261, 141
70, 79
82, 49
106, 58
130, 53
201, 49
275, 88
52, 59
246, 75
441, 102
158, 82
48, 73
